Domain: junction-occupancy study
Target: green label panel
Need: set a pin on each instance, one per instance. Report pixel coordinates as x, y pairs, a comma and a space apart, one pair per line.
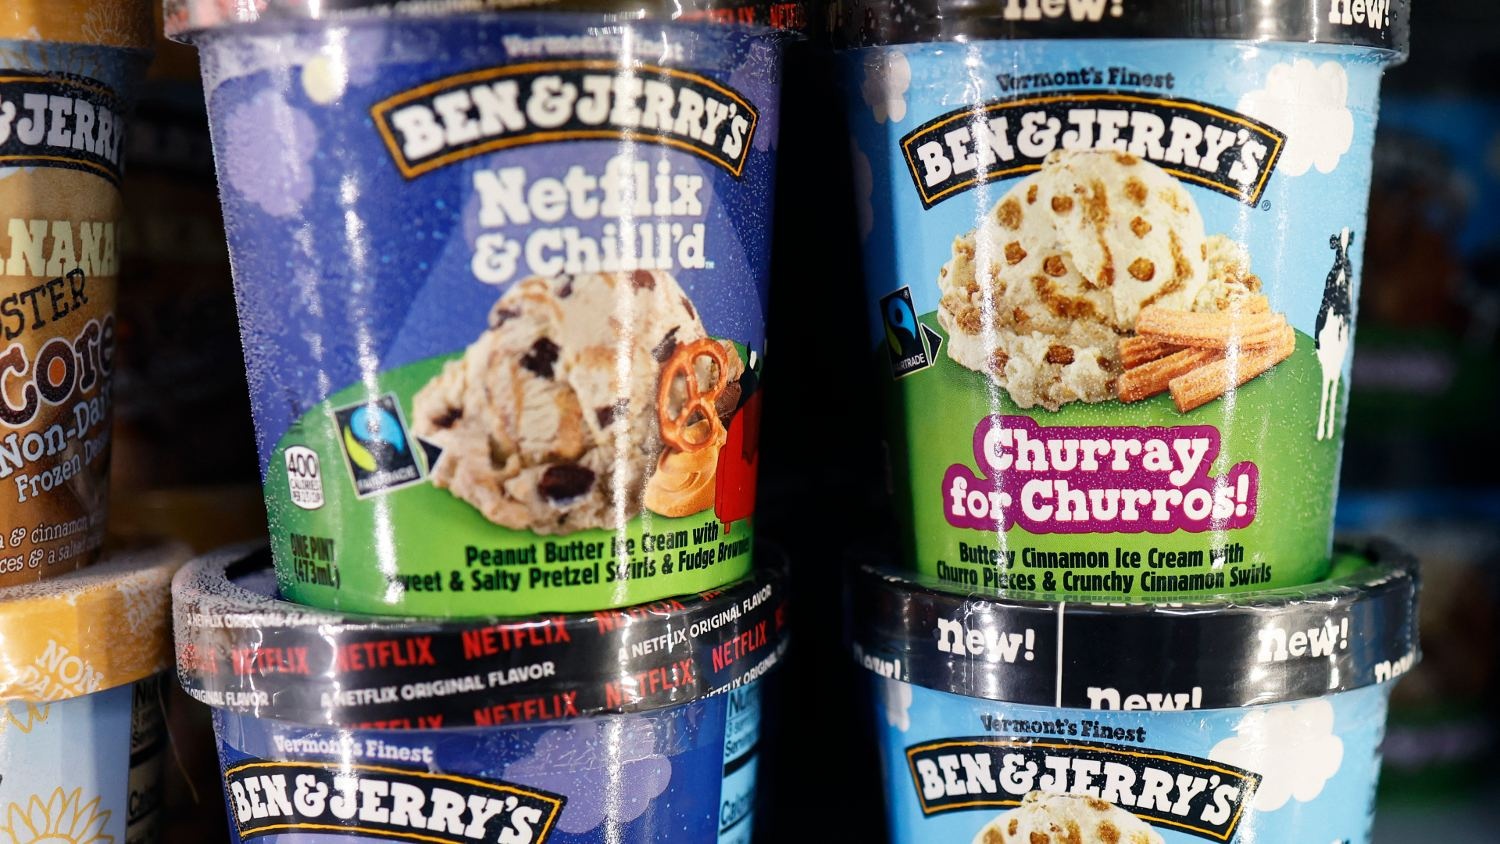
1114, 501
357, 524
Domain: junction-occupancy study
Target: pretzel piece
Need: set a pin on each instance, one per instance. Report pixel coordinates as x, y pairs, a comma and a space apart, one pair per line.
680, 430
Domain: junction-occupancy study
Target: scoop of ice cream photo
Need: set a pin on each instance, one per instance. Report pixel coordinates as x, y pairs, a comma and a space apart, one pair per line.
1066, 819
1041, 293
550, 421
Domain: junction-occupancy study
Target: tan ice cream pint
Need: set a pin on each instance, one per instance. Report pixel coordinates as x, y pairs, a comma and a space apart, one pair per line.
67, 71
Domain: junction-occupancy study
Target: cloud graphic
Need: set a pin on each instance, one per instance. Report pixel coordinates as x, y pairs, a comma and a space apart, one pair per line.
1291, 746
349, 57
864, 186
1310, 104
895, 697
608, 768
887, 76
268, 151
324, 80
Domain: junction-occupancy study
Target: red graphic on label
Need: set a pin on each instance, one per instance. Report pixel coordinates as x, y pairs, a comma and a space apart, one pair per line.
739, 463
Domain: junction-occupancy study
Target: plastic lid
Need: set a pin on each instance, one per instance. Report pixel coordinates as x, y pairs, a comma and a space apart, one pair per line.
185, 17
94, 629
107, 23
241, 648
1380, 24
1356, 629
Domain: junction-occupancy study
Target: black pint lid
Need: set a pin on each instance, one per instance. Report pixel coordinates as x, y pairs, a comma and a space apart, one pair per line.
1379, 24
184, 17
1356, 629
240, 647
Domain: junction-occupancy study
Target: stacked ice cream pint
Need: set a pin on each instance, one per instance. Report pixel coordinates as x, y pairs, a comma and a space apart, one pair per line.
1111, 254
82, 738
68, 77
83, 631
501, 281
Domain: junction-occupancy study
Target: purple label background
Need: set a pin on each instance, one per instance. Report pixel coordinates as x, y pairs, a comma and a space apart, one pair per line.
1241, 483
344, 269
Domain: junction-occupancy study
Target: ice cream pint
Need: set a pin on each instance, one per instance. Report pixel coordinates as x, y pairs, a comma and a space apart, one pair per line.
1112, 254
1008, 722
68, 69
81, 730
608, 726
501, 281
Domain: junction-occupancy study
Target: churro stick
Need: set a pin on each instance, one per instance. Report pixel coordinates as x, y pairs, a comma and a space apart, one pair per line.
1151, 378
1209, 331
1255, 304
1211, 380
1135, 351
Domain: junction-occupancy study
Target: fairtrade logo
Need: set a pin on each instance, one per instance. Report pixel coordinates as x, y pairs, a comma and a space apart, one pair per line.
911, 345
377, 447
378, 428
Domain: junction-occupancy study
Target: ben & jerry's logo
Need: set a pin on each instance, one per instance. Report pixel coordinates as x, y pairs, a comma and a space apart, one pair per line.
58, 121
1196, 796
461, 116
336, 799
1196, 142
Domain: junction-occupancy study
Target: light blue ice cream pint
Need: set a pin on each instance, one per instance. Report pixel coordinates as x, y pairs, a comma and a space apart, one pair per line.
82, 738
1259, 720
1112, 257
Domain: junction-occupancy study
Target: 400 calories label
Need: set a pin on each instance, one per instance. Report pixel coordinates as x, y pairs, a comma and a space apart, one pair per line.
60, 143
555, 402
1114, 293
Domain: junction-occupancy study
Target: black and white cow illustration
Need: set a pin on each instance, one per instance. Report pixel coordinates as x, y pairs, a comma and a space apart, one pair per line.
1332, 330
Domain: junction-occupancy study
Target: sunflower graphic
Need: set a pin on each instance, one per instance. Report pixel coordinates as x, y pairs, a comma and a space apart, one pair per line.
24, 716
63, 819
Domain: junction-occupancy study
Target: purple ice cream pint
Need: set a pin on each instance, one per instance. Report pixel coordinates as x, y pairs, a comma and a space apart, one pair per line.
634, 724
1254, 718
502, 279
